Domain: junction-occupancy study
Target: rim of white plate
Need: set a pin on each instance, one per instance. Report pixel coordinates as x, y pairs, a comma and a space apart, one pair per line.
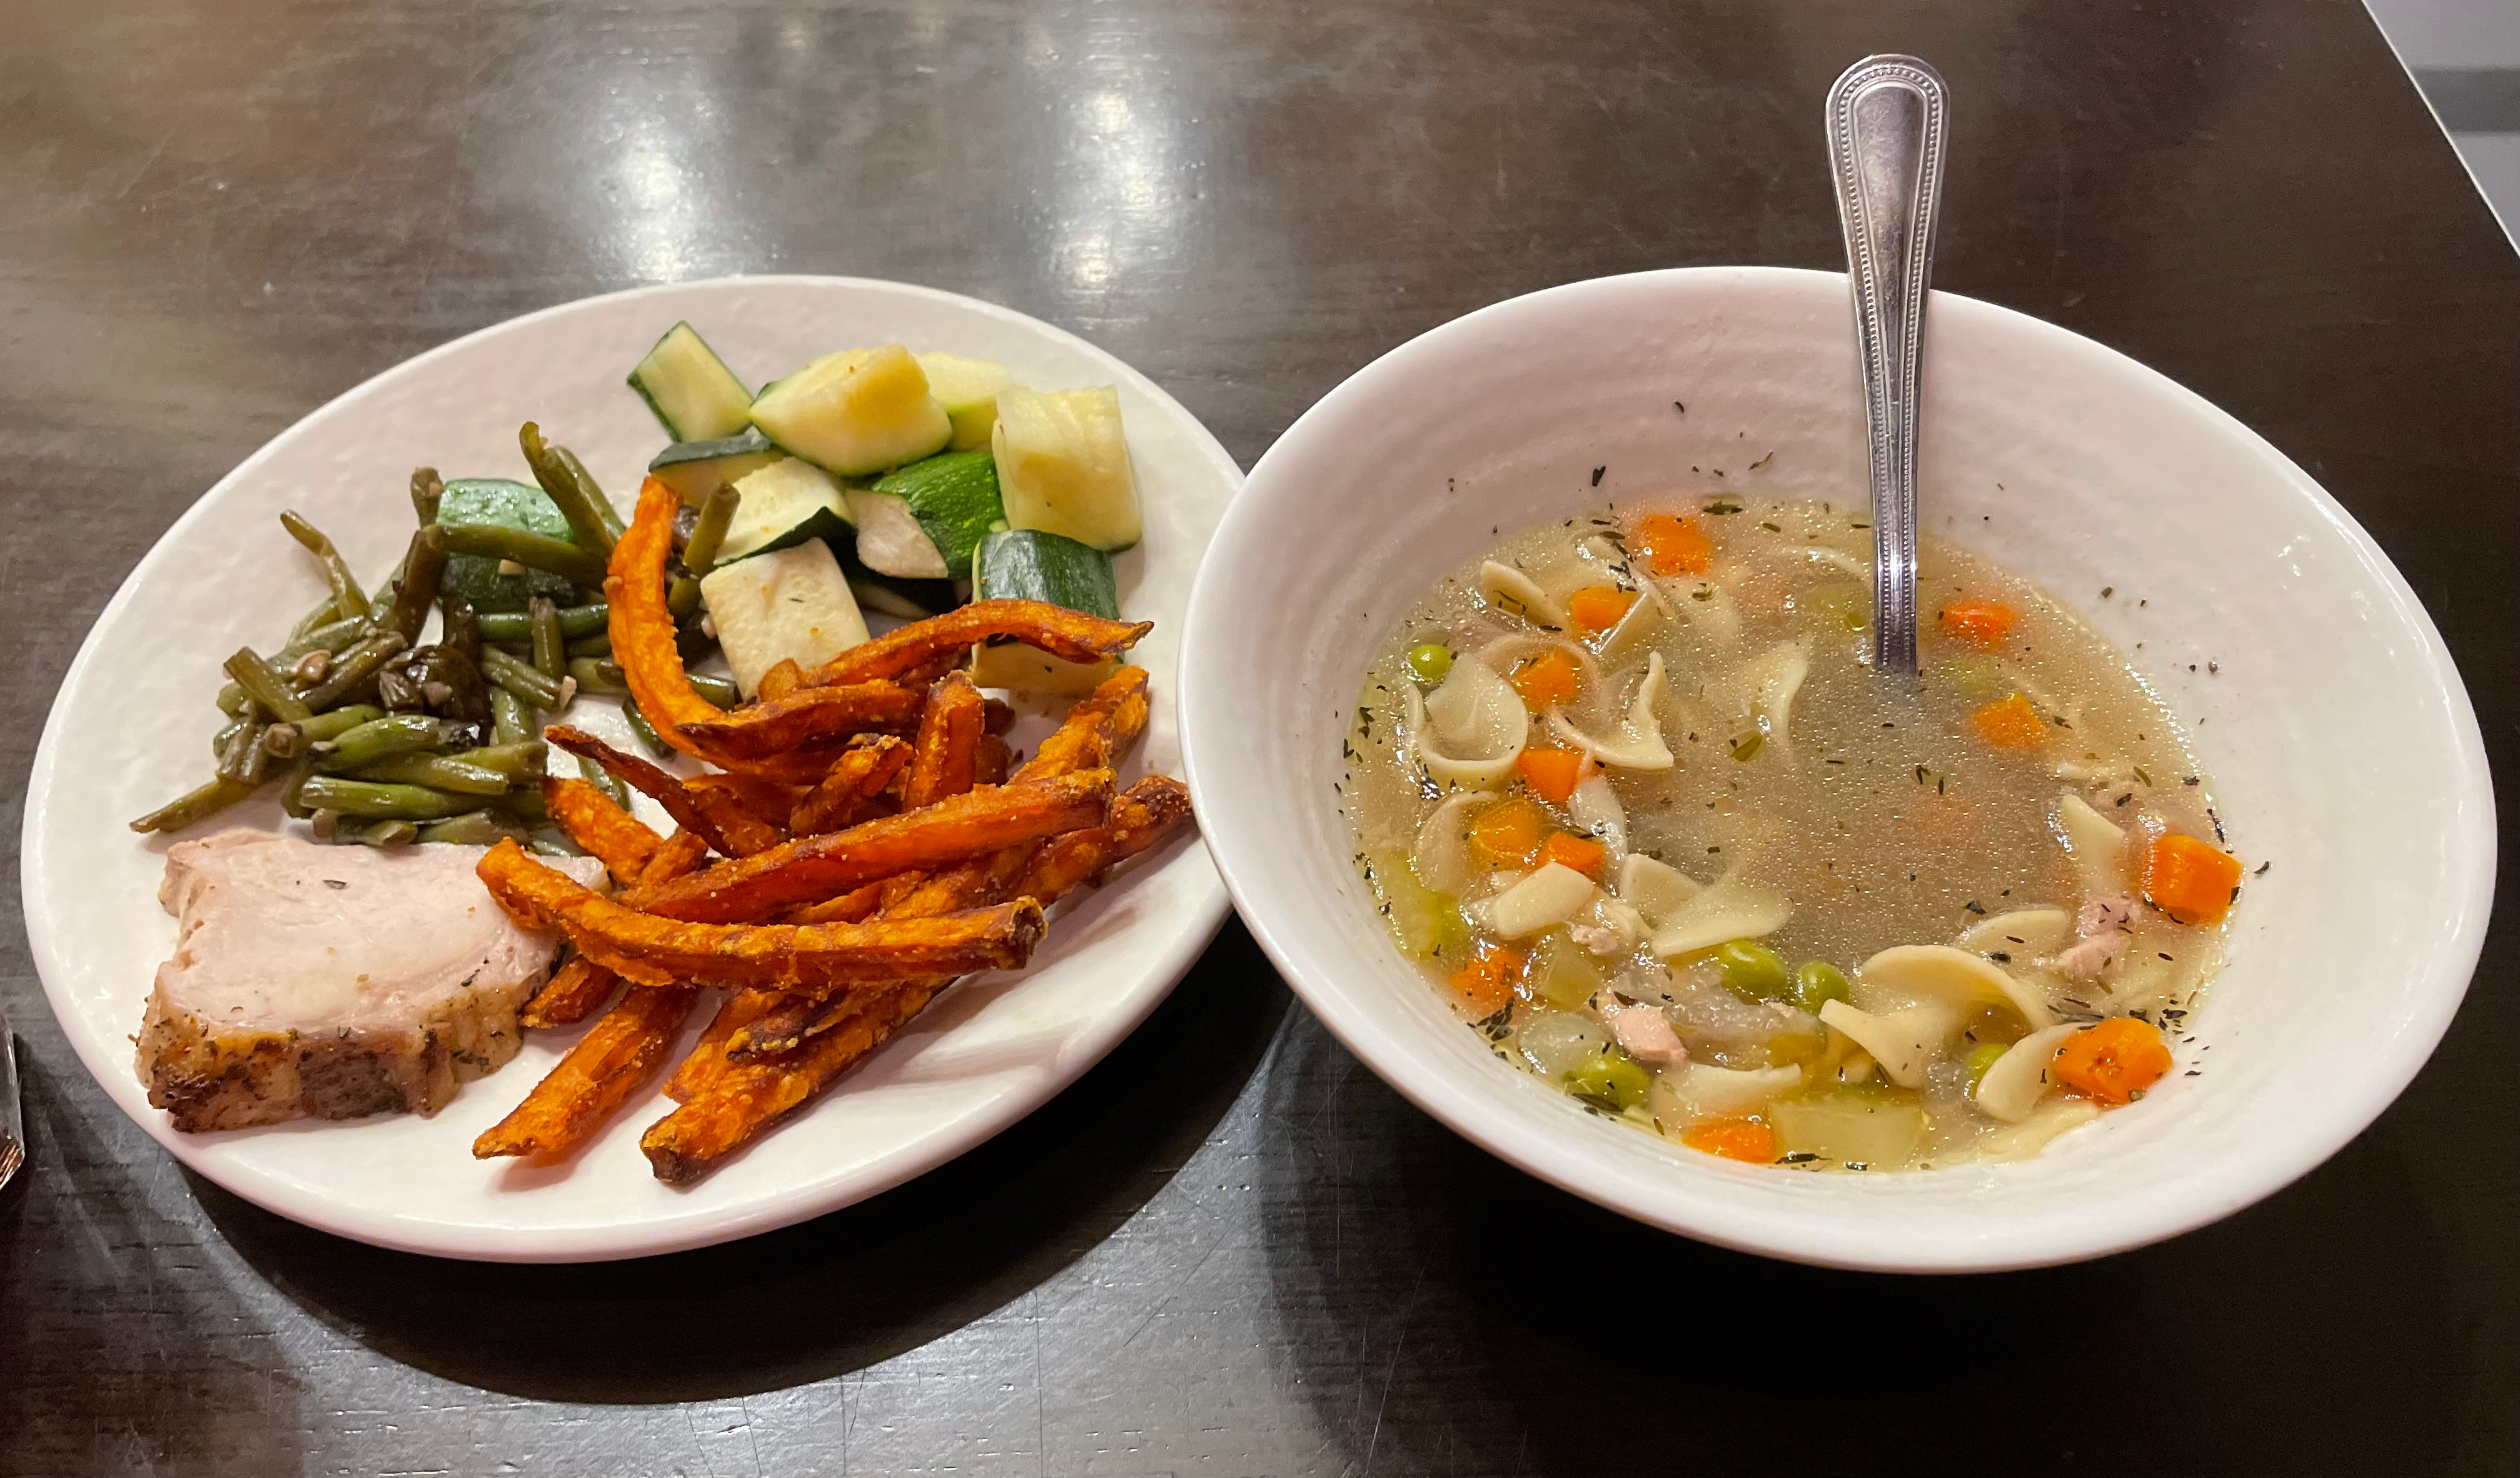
1244, 843
691, 1227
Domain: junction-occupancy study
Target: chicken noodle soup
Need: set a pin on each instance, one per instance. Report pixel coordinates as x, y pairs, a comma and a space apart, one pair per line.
1629, 789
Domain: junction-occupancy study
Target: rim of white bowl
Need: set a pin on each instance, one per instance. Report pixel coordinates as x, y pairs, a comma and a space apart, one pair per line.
1830, 1238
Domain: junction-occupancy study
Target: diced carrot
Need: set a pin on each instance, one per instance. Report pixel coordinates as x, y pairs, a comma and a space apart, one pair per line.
2192, 881
2113, 1062
1582, 853
1599, 607
1508, 834
1546, 681
1552, 774
1672, 545
1486, 984
1979, 623
1745, 1139
2011, 724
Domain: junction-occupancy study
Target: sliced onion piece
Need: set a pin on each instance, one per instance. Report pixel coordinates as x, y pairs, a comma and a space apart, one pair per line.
1550, 895
1470, 731
1639, 746
2016, 1081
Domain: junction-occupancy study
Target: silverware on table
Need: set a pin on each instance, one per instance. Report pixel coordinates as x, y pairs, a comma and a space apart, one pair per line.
1887, 132
12, 1126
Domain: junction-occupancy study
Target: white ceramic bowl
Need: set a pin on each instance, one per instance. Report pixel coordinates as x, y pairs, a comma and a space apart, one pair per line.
2329, 716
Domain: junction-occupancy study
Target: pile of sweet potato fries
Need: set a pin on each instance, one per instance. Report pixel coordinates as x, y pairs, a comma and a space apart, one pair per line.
872, 841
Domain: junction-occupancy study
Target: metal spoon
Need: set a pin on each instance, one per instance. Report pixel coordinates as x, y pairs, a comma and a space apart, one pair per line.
1887, 132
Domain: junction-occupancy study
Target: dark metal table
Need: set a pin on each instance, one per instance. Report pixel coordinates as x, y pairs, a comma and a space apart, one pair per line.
1229, 1250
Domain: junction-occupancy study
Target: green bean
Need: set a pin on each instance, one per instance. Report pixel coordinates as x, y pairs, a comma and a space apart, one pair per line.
517, 626
242, 759
525, 801
283, 741
388, 832
347, 597
646, 730
699, 552
232, 702
597, 675
511, 722
552, 844
591, 515
550, 658
474, 829
354, 667
440, 772
533, 551
605, 781
519, 762
226, 736
316, 617
339, 722
427, 489
382, 739
458, 628
331, 637
300, 770
683, 597
383, 799
196, 805
719, 690
599, 644
415, 586
266, 687
520, 678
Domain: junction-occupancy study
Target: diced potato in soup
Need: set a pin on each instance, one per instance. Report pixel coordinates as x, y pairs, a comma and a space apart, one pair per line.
1734, 890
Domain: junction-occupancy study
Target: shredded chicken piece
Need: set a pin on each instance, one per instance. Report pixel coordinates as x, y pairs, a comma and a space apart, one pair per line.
2102, 925
1615, 928
2113, 915
1645, 1033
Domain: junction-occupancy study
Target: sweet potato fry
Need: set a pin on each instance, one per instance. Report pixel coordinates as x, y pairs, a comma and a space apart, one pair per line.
781, 678
573, 990
1142, 816
777, 1028
624, 842
856, 906
767, 801
600, 1073
811, 869
1069, 634
681, 853
819, 959
643, 629
743, 1100
845, 795
708, 1059
720, 818
1098, 730
943, 756
758, 731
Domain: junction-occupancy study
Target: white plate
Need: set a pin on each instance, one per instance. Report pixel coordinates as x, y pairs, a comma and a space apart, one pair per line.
2340, 742
225, 575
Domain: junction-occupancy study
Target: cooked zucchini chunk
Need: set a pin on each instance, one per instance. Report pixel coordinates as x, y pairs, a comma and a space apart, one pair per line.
1064, 466
501, 504
1029, 564
787, 502
967, 389
791, 603
890, 541
954, 497
693, 393
697, 469
856, 412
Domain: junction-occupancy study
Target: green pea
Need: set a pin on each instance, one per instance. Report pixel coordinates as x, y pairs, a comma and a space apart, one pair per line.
1751, 971
1817, 983
1431, 661
1981, 1058
1613, 1080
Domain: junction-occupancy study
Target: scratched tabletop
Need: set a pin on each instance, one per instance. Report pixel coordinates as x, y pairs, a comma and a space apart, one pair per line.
1229, 1249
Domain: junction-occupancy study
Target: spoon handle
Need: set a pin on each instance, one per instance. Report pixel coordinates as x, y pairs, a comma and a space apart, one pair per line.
1887, 133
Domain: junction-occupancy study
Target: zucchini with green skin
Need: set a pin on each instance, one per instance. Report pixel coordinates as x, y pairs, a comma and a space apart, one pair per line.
697, 469
890, 538
794, 603
857, 412
1028, 565
695, 396
954, 497
967, 389
1064, 466
784, 504
500, 503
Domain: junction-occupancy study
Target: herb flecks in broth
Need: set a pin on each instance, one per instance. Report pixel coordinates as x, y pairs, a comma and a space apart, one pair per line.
1627, 787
